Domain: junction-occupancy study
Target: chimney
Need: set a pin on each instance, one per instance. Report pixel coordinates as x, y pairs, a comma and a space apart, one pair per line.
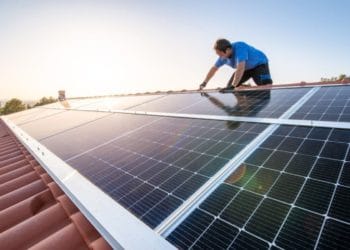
61, 95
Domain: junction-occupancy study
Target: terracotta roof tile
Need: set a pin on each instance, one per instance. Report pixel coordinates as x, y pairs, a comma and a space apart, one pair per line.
34, 211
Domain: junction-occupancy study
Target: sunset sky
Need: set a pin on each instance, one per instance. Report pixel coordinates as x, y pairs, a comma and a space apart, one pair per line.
109, 47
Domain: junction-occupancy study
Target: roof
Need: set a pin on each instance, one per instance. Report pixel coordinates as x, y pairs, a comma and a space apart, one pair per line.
253, 168
34, 209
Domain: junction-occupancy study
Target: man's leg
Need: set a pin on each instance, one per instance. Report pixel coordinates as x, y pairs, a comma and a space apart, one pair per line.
261, 75
246, 75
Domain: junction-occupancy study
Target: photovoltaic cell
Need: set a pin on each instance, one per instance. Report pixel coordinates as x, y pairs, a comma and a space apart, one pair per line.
267, 229
300, 230
218, 236
191, 229
336, 235
341, 204
247, 241
286, 188
315, 196
345, 175
327, 104
241, 208
283, 193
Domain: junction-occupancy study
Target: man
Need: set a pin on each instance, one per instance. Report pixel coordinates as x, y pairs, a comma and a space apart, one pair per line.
248, 61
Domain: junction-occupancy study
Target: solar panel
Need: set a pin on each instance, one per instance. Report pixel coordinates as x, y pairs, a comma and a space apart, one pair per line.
153, 170
171, 103
287, 194
33, 115
254, 103
121, 102
327, 104
73, 103
59, 122
89, 135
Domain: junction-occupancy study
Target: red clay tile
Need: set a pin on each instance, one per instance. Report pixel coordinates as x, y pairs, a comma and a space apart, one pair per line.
34, 212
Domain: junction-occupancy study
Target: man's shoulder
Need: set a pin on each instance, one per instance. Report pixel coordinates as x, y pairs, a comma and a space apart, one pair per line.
239, 44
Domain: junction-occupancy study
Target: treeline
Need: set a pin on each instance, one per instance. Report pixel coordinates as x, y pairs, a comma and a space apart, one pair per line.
16, 105
340, 78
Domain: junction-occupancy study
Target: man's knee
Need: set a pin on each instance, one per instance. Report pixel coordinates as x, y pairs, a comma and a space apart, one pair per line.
265, 79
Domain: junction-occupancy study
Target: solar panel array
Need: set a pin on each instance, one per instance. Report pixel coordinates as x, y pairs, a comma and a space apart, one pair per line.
290, 191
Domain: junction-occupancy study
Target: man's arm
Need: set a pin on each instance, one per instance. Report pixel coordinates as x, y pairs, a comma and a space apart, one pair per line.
238, 74
210, 74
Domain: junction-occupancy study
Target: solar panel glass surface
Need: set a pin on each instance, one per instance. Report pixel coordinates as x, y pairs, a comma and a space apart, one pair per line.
121, 102
59, 123
33, 115
254, 103
89, 135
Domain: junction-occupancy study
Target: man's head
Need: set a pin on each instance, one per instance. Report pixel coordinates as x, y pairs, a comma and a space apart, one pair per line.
223, 48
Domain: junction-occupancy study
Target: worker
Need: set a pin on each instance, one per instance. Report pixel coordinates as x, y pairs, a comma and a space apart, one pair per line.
248, 62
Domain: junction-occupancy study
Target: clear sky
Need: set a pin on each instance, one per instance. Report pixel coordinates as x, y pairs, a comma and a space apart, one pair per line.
107, 47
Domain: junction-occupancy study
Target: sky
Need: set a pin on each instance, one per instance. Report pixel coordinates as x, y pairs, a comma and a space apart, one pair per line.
108, 47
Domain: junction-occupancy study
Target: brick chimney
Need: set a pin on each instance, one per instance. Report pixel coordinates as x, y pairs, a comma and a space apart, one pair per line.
61, 95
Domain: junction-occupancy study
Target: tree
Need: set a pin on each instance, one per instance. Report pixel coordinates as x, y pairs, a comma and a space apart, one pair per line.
341, 77
12, 106
44, 101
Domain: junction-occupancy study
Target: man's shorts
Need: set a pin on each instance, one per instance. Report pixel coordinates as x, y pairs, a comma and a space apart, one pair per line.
260, 74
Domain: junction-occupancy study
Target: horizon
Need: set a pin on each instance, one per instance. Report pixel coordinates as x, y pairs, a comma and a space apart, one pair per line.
112, 47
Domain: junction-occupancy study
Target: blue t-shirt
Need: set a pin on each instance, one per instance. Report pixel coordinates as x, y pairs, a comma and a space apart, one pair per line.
243, 52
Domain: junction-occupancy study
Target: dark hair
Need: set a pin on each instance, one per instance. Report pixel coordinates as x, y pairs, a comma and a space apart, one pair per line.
222, 45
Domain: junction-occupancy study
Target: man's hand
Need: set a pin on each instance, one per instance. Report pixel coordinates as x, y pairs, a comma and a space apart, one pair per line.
228, 89
202, 86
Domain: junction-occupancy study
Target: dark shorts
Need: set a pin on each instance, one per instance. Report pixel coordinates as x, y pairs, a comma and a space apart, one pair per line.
260, 74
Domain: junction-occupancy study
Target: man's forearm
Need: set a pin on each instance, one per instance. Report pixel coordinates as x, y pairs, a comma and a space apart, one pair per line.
210, 74
237, 78
238, 74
